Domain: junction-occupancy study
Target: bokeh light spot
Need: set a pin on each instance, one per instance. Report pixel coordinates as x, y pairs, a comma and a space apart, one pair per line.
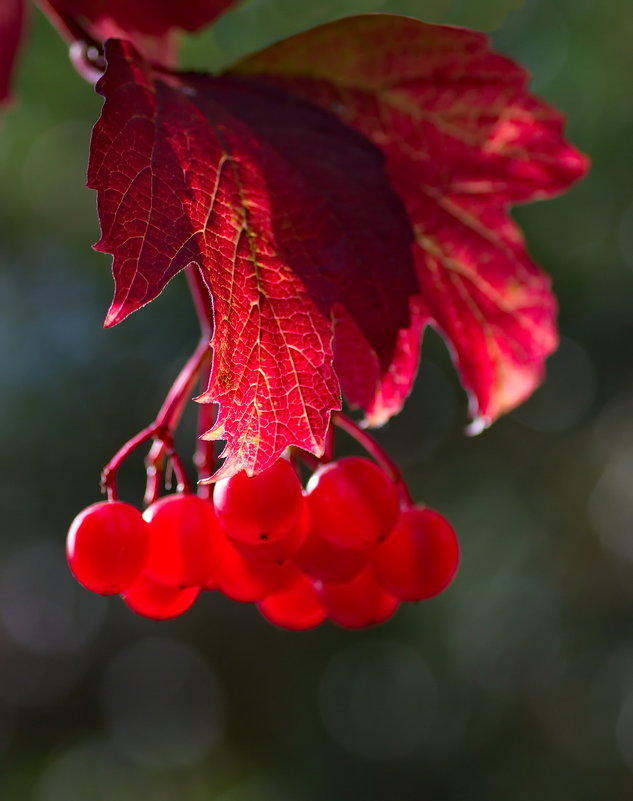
378, 699
164, 705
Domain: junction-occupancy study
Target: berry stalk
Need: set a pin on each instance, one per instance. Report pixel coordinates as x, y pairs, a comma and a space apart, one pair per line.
376, 451
163, 452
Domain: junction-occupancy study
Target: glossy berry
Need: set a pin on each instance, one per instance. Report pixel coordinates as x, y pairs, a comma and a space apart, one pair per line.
325, 561
297, 606
184, 549
420, 557
248, 580
358, 603
262, 507
158, 601
353, 503
277, 550
107, 546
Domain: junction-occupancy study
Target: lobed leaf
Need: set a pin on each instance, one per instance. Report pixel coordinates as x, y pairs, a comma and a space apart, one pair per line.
463, 139
288, 214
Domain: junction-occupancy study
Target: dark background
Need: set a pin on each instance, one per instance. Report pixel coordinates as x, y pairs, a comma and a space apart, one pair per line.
515, 685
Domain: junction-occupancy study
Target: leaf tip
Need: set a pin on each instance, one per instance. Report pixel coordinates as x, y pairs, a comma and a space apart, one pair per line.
116, 314
214, 434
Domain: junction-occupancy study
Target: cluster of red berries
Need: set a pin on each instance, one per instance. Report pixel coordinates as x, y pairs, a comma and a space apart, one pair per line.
345, 549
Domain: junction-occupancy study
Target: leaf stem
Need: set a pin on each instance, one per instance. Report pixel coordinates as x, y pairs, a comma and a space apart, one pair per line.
328, 449
201, 300
376, 451
306, 458
70, 28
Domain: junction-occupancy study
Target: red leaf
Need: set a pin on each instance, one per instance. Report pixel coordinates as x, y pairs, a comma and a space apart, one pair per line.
463, 139
12, 19
147, 23
291, 219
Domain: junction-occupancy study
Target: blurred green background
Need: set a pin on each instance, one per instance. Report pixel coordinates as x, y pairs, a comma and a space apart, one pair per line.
515, 685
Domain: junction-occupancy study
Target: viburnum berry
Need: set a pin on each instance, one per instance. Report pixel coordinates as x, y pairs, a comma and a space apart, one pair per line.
184, 547
262, 507
247, 580
420, 557
353, 503
360, 602
325, 561
107, 546
278, 550
296, 606
158, 601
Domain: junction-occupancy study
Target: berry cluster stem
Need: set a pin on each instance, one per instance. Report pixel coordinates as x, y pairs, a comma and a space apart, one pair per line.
161, 431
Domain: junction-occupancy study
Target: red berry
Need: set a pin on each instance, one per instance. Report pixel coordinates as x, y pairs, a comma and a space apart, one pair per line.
281, 549
248, 580
325, 561
358, 603
158, 601
420, 557
353, 503
259, 508
184, 534
107, 546
296, 606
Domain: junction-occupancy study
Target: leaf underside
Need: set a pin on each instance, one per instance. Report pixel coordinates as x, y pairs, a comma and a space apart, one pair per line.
289, 215
339, 192
463, 139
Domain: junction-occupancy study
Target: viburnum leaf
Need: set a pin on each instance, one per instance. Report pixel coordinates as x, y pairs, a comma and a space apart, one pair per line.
12, 18
463, 139
288, 214
149, 24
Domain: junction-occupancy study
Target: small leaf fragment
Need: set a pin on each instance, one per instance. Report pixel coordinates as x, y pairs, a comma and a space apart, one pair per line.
149, 24
12, 23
